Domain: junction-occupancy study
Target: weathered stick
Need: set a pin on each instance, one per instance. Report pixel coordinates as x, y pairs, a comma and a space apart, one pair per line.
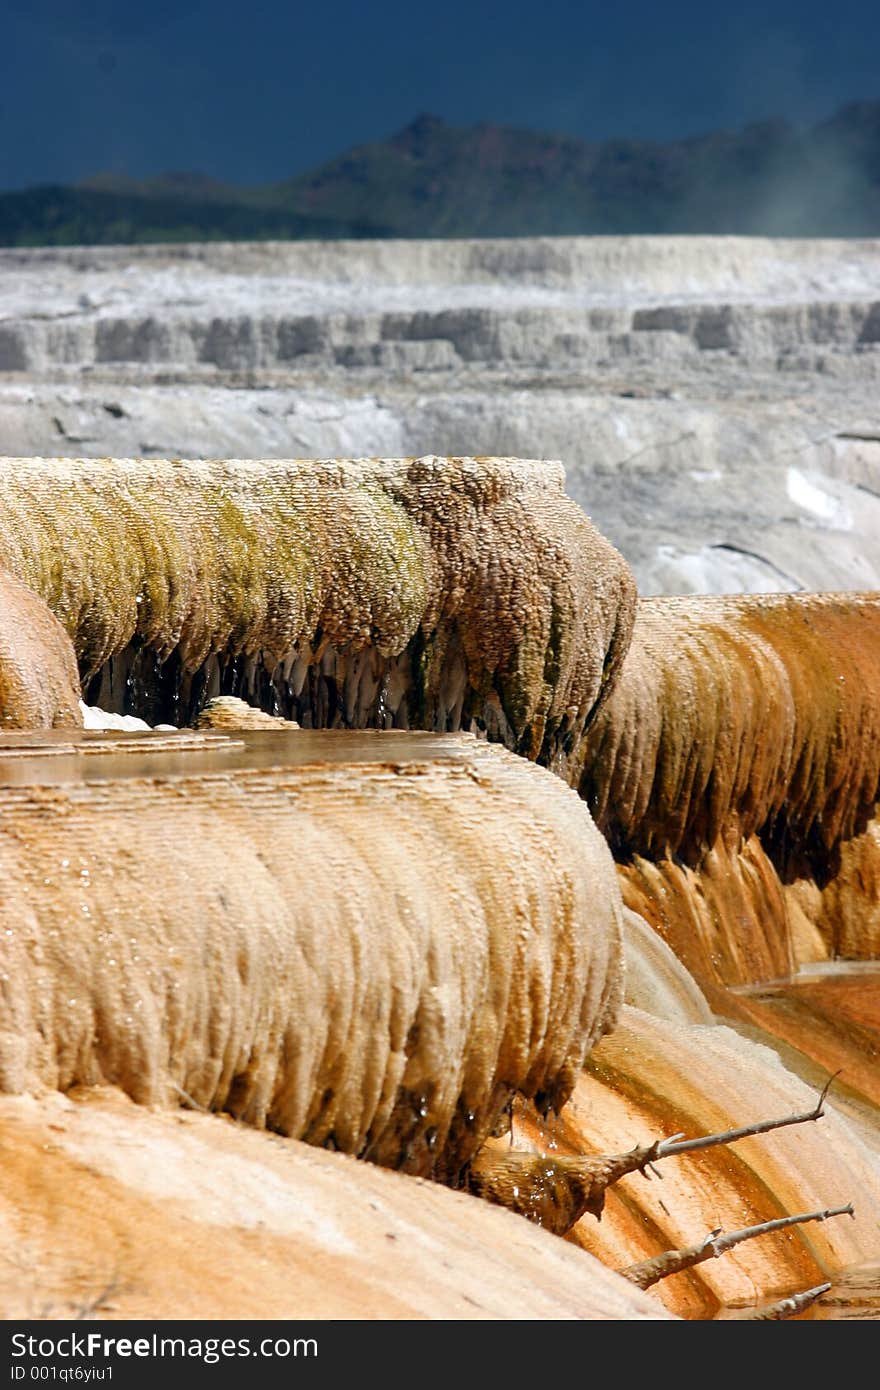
787, 1307
553, 1192
648, 1272
675, 1145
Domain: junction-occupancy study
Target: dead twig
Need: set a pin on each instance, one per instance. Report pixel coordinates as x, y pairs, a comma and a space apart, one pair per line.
85, 1310
184, 1095
676, 1145
648, 1272
787, 1307
556, 1192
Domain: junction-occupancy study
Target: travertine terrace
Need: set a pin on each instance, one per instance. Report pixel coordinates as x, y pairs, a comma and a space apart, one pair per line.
736, 773
418, 948
433, 593
369, 941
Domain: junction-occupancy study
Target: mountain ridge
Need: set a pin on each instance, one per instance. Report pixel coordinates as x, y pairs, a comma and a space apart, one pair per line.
433, 179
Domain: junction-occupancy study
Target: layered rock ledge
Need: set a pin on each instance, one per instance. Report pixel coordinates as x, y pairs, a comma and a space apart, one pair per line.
713, 399
430, 593
736, 773
370, 942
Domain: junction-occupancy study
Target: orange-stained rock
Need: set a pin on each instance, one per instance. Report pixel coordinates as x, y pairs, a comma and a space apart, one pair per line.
736, 769
846, 911
741, 714
650, 1079
727, 919
114, 1211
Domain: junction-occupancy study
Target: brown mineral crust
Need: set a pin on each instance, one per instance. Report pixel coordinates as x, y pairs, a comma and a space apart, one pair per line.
847, 910
734, 919
368, 950
727, 920
39, 681
741, 714
735, 770
228, 712
429, 592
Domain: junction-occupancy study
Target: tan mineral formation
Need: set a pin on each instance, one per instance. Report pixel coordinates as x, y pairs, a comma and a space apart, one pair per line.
230, 713
758, 713
670, 1067
846, 910
39, 681
419, 948
436, 593
367, 941
111, 1210
714, 399
736, 772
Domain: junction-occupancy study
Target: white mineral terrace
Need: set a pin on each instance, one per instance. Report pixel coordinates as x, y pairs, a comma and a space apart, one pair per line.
427, 273
713, 400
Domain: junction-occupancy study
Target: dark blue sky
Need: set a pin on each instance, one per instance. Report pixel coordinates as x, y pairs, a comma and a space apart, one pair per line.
252, 91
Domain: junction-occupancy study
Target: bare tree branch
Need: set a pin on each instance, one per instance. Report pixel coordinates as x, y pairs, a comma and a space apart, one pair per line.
556, 1192
675, 1145
85, 1310
192, 1104
649, 1272
553, 1192
787, 1307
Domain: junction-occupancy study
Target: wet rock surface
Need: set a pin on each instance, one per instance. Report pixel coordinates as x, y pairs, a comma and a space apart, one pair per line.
430, 593
368, 941
115, 1211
